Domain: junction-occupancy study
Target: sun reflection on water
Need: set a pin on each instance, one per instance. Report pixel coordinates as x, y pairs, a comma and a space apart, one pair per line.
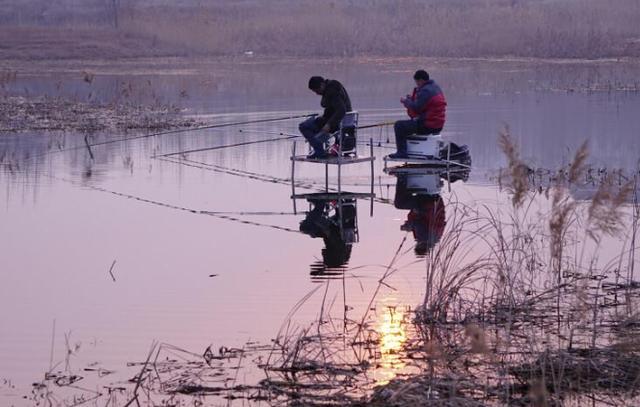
391, 328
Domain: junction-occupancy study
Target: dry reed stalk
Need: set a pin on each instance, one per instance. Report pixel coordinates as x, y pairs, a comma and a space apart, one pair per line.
518, 182
578, 166
605, 214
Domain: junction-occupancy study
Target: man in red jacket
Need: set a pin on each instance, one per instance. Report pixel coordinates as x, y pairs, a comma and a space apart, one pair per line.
426, 107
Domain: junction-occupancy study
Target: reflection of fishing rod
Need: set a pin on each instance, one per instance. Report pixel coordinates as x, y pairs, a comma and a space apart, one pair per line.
252, 175
375, 125
220, 215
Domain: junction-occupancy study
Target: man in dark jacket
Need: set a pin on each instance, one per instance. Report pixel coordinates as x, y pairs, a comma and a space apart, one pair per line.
427, 109
336, 103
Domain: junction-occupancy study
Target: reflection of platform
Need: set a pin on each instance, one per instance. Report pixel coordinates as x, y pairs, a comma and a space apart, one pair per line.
427, 162
412, 169
333, 160
416, 169
426, 180
334, 196
416, 160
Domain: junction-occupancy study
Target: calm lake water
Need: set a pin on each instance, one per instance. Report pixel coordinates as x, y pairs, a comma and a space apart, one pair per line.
206, 246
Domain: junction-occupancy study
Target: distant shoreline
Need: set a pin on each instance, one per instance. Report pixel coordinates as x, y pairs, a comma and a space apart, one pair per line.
196, 64
51, 45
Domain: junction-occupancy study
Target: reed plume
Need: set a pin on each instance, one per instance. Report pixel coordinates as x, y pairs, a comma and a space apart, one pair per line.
605, 214
518, 183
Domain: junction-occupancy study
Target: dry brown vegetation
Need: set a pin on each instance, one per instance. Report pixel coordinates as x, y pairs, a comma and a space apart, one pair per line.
453, 28
45, 113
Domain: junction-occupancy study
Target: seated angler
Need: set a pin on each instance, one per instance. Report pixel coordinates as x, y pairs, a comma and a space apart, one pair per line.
426, 108
336, 104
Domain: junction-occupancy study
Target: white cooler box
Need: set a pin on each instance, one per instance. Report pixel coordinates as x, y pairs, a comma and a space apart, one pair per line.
424, 146
424, 184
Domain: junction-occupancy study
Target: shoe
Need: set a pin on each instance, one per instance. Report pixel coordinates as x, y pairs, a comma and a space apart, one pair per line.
398, 155
334, 150
318, 155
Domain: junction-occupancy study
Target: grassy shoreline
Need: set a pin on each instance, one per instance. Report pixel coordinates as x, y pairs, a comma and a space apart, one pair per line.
452, 28
190, 64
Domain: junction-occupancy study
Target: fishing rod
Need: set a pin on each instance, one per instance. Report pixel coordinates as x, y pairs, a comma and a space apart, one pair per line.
291, 135
212, 126
281, 133
175, 131
88, 146
245, 143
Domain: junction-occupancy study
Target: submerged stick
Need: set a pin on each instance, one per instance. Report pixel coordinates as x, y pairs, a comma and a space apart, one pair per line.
53, 341
141, 375
110, 271
86, 142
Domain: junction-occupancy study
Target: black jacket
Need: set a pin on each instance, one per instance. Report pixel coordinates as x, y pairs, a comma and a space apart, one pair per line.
336, 103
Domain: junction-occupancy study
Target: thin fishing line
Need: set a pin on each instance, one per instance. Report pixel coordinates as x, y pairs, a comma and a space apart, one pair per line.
176, 207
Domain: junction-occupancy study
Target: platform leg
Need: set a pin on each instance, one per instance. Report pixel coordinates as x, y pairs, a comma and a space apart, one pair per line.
448, 162
326, 178
372, 158
341, 218
372, 175
340, 167
339, 177
293, 176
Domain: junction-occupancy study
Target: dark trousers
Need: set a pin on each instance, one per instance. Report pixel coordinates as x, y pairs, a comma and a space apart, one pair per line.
405, 128
311, 132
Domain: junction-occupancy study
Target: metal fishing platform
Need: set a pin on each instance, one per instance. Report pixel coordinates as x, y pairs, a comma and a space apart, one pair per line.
348, 128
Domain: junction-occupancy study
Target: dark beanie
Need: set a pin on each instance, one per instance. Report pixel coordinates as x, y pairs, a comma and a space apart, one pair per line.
421, 74
315, 81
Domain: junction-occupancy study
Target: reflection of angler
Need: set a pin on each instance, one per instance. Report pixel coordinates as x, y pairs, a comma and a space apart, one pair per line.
336, 223
426, 217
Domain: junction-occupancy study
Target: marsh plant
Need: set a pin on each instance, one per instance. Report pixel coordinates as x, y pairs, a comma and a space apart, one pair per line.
530, 303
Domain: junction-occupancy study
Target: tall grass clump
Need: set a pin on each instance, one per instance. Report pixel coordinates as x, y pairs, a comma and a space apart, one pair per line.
532, 296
